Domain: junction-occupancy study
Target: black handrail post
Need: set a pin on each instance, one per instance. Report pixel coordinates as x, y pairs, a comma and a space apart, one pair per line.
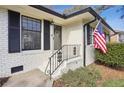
50, 68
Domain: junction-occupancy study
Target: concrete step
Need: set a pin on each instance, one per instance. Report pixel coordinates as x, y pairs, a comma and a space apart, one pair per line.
34, 78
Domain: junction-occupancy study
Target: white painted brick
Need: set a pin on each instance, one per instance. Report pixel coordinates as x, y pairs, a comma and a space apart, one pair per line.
30, 60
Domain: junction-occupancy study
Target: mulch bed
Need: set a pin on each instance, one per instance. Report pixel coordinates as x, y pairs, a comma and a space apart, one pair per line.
3, 80
58, 83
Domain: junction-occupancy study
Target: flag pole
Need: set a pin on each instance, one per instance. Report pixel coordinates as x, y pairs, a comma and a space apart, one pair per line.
97, 25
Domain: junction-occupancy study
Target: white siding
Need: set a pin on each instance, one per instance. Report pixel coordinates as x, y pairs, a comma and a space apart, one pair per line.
73, 34
89, 55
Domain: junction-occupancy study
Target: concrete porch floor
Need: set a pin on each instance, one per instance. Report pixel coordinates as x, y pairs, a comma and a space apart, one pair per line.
34, 78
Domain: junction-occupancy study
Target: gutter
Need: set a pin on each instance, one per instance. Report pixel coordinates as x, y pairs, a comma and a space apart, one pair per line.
84, 41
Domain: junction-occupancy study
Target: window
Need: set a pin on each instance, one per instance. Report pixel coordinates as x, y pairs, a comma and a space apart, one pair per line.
89, 35
107, 38
31, 33
121, 37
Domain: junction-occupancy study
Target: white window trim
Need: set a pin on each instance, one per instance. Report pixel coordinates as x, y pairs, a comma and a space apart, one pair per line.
42, 39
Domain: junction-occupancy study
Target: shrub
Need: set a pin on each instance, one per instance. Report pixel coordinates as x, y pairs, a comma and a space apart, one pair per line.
82, 77
114, 56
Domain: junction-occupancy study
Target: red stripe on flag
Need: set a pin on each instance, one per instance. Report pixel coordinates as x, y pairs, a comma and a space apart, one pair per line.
100, 42
101, 37
100, 45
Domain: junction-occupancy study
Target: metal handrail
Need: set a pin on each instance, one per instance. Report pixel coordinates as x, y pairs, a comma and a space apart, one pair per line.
47, 67
52, 56
57, 50
56, 59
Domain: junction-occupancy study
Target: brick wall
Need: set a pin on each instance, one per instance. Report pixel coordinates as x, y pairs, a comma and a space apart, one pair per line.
29, 59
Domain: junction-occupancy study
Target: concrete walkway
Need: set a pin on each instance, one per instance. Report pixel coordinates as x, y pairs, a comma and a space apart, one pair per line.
34, 78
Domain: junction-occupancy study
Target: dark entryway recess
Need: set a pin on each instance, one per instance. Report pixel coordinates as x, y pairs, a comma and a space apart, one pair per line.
13, 32
46, 35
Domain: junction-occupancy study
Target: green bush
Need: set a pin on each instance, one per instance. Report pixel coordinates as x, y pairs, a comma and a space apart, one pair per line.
82, 77
114, 56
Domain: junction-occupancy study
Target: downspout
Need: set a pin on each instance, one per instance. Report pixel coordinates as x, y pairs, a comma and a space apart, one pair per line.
84, 43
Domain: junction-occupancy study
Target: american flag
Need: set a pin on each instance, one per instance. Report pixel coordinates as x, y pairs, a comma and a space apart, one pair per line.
99, 38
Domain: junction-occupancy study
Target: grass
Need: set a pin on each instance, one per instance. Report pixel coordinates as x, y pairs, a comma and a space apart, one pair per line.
93, 76
82, 77
114, 83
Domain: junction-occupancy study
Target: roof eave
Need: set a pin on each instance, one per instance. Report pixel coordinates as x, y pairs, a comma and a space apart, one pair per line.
99, 17
89, 9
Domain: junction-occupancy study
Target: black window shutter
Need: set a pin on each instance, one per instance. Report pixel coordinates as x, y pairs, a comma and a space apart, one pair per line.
88, 34
46, 35
13, 32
